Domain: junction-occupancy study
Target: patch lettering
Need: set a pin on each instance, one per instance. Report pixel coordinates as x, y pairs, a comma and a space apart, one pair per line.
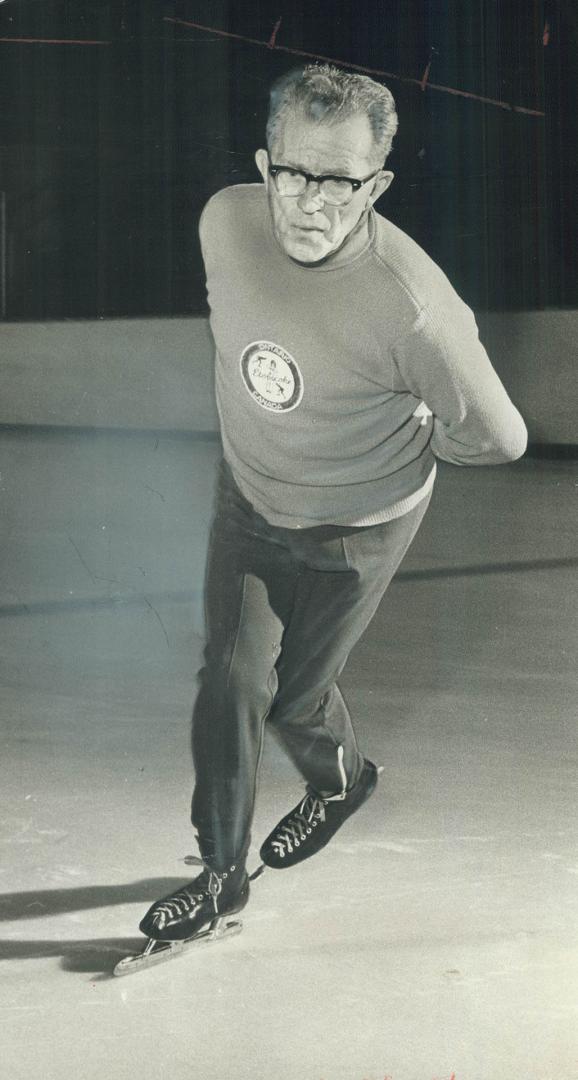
271, 376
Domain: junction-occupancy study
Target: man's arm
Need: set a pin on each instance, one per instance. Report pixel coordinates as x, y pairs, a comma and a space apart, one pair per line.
443, 362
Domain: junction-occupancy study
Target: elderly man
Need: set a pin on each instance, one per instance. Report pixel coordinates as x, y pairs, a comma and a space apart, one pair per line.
345, 364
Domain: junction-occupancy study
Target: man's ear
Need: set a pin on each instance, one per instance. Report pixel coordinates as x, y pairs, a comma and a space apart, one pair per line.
262, 163
381, 184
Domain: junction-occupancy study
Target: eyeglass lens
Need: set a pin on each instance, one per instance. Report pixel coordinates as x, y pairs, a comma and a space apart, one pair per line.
336, 191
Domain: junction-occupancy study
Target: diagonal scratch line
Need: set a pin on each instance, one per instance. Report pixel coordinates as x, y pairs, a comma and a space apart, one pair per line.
153, 609
86, 566
359, 67
155, 492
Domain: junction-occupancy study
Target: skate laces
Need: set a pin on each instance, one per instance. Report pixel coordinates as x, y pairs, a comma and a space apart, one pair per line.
307, 816
182, 903
300, 825
185, 901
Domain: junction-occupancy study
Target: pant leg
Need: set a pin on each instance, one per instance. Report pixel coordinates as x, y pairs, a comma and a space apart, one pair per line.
284, 608
333, 607
249, 593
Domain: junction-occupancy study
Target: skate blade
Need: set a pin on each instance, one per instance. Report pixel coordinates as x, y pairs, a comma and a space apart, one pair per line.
157, 952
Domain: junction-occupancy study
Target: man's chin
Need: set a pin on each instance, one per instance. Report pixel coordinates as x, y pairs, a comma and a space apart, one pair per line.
307, 250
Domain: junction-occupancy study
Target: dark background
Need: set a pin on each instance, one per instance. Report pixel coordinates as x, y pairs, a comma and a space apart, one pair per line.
109, 151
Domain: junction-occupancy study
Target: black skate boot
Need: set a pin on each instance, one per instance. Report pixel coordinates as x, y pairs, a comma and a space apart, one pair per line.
311, 824
185, 913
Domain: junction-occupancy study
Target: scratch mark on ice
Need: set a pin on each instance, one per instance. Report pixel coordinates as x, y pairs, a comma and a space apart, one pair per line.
154, 610
86, 566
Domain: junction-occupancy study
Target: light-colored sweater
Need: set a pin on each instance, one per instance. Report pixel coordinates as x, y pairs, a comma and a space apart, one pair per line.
320, 369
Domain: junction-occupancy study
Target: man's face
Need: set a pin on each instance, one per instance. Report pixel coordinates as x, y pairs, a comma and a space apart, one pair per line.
307, 228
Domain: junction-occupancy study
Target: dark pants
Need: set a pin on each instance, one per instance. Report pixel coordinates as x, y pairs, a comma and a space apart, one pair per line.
284, 608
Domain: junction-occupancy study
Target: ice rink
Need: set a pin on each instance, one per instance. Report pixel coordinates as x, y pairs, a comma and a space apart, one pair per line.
434, 938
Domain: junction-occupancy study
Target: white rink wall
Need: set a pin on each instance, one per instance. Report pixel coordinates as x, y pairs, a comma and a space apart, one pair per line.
156, 374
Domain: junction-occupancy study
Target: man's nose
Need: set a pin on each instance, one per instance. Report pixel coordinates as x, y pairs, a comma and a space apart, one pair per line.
311, 199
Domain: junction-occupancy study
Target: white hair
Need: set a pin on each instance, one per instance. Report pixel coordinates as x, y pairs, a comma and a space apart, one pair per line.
326, 94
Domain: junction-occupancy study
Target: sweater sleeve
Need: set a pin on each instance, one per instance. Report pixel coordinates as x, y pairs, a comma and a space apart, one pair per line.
443, 362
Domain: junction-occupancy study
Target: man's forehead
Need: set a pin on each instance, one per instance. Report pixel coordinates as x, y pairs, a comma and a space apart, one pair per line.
323, 147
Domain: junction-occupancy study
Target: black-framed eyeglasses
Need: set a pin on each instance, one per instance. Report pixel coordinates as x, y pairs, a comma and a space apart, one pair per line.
335, 190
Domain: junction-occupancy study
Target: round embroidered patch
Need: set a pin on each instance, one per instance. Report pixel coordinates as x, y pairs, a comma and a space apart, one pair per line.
271, 376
